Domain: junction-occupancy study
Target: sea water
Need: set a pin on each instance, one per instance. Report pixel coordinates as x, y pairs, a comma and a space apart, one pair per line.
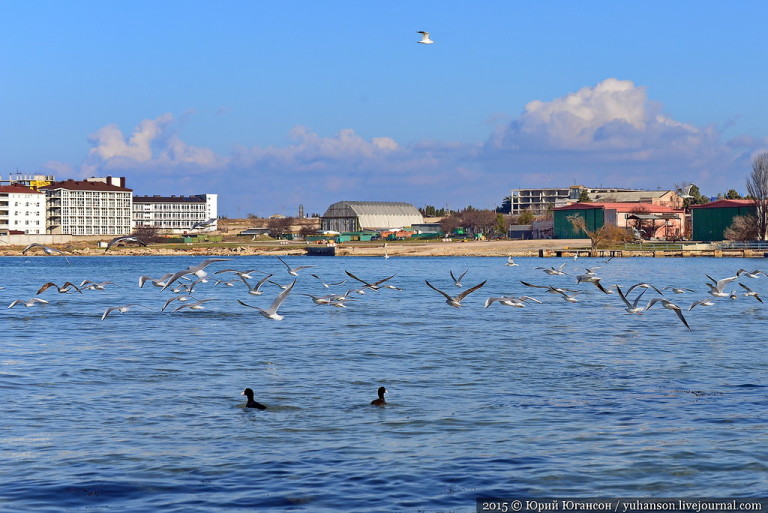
143, 411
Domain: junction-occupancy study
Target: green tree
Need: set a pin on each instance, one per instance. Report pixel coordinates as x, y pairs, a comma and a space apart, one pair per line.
525, 217
584, 196
732, 194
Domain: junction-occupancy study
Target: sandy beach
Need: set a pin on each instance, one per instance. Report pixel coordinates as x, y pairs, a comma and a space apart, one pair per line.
496, 248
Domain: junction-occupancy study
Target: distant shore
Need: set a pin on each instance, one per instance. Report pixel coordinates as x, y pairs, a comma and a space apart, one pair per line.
494, 248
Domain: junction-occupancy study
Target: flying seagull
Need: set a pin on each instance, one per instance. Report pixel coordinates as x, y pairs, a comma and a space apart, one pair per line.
631, 307
28, 303
669, 305
124, 239
46, 250
121, 309
294, 271
425, 40
198, 270
271, 312
455, 301
457, 281
518, 302
372, 286
716, 288
64, 289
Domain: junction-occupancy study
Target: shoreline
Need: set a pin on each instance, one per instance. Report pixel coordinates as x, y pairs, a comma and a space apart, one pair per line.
495, 248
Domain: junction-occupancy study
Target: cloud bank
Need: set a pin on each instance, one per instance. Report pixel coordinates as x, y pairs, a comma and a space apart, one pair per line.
609, 134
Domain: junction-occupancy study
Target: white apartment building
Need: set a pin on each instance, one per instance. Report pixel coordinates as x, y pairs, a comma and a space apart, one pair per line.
176, 213
88, 207
22, 210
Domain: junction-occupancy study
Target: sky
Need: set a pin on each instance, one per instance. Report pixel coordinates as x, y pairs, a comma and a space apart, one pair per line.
272, 105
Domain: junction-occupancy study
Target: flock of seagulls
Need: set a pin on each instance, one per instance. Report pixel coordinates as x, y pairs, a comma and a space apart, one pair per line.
184, 284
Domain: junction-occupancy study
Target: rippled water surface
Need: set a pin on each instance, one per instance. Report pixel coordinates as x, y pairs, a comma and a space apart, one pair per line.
142, 411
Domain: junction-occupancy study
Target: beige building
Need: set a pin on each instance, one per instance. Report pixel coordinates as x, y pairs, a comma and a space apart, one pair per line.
96, 206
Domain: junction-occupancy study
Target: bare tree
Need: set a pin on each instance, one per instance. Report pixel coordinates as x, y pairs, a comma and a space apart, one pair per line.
743, 228
757, 186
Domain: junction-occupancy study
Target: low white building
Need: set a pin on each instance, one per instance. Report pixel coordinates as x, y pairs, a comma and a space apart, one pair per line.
353, 216
21, 210
88, 207
176, 213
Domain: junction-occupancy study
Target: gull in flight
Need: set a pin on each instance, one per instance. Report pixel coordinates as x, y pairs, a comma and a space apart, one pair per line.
256, 289
457, 281
294, 271
631, 307
123, 240
425, 40
511, 262
157, 282
455, 301
198, 270
245, 275
643, 285
197, 305
336, 300
271, 312
518, 302
669, 305
551, 270
372, 286
121, 309
327, 285
591, 278
89, 285
28, 303
754, 274
175, 298
750, 292
702, 302
678, 290
550, 288
46, 250
64, 289
716, 290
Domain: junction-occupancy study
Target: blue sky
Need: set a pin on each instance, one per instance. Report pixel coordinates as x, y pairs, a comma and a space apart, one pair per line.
276, 104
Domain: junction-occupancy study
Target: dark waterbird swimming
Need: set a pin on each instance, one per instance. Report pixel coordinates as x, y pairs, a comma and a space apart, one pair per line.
251, 403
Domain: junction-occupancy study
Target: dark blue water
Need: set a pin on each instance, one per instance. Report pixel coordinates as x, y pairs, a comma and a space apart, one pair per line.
142, 411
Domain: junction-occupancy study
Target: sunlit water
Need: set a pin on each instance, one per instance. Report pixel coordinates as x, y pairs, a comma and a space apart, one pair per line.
142, 411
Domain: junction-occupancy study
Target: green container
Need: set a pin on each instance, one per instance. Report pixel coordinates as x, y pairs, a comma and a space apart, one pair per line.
563, 229
710, 223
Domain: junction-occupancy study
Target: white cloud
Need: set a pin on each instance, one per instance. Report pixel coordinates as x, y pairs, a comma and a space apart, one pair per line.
610, 134
153, 144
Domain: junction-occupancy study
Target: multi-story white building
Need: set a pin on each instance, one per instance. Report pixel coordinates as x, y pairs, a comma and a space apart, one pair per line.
21, 210
176, 213
97, 206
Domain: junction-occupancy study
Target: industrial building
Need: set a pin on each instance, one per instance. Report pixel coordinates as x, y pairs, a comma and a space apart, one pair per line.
645, 219
712, 219
356, 216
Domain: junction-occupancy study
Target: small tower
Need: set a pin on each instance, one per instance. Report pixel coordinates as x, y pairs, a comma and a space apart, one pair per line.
301, 211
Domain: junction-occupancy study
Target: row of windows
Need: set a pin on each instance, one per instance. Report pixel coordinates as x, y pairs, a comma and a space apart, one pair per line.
26, 204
